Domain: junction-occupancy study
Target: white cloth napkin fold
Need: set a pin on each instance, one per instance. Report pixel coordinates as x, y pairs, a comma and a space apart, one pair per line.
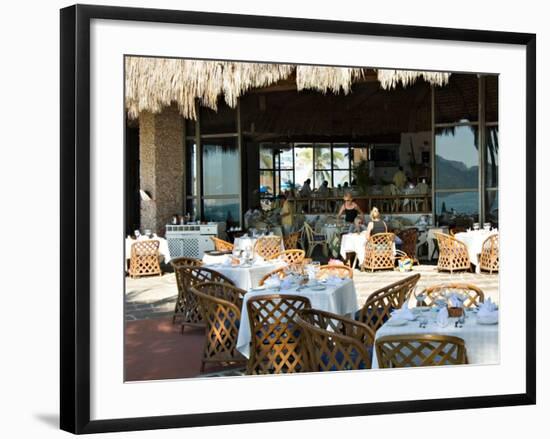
455, 301
403, 313
442, 318
287, 283
488, 309
273, 281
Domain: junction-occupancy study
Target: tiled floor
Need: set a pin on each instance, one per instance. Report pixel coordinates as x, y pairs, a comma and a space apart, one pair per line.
156, 349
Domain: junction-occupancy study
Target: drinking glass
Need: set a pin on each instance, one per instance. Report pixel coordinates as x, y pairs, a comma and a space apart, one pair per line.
137, 233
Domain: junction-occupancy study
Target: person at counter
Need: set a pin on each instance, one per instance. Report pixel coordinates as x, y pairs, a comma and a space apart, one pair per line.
349, 209
305, 191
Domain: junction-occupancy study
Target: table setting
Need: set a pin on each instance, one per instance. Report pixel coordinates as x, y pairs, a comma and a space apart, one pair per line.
332, 294
477, 326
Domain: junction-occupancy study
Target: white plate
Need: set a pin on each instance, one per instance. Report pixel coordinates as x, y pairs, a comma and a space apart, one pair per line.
396, 322
318, 288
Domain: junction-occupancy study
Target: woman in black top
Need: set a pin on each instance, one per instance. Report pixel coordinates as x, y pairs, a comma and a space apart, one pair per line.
349, 209
376, 225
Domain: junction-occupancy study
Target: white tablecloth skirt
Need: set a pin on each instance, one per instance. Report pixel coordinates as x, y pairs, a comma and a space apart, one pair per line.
340, 299
474, 242
481, 341
246, 277
239, 243
163, 246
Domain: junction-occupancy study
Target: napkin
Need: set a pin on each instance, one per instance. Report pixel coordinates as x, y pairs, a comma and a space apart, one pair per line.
334, 280
273, 282
404, 313
455, 301
287, 283
488, 309
442, 318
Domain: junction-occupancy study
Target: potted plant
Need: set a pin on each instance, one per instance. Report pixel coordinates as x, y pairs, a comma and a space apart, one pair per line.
361, 175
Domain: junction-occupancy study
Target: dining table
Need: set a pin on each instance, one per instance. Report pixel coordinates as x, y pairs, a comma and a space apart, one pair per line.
337, 296
481, 340
474, 239
246, 275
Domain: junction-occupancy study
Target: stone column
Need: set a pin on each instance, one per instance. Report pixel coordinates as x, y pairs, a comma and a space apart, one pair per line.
161, 146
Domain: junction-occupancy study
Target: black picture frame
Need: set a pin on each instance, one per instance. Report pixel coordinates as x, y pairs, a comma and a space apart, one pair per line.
75, 217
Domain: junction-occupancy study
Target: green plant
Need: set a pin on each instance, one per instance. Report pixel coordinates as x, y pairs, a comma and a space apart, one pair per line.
361, 175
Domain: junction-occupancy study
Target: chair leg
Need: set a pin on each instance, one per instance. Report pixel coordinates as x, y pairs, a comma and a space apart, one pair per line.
202, 367
182, 327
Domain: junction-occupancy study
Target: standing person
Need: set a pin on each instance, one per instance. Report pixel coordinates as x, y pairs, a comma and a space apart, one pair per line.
349, 209
287, 214
400, 178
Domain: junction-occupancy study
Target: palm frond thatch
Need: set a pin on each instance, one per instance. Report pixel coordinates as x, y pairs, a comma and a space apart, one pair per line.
154, 83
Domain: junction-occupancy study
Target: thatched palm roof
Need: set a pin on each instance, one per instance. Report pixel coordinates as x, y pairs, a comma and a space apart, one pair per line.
154, 83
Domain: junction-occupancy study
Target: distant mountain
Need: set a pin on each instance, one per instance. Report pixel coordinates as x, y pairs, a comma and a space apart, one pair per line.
451, 174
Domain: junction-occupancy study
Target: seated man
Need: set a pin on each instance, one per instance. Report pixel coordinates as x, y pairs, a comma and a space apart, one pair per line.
358, 225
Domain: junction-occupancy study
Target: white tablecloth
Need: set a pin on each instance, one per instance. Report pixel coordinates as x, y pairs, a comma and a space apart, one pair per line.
246, 277
481, 341
353, 242
208, 259
474, 242
163, 246
340, 299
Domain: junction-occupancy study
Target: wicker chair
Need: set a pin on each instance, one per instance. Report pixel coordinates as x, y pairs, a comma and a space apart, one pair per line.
277, 341
268, 246
221, 245
453, 254
291, 257
220, 305
335, 270
380, 304
474, 294
409, 238
281, 272
489, 254
314, 239
335, 342
291, 241
379, 252
420, 350
187, 276
457, 229
144, 258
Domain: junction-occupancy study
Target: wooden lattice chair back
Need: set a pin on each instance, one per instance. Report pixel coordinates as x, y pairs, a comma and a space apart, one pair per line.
473, 294
314, 239
453, 254
420, 350
382, 302
221, 245
268, 246
409, 238
220, 305
291, 240
488, 260
335, 342
342, 271
290, 257
280, 272
277, 340
144, 258
187, 306
379, 252
185, 262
